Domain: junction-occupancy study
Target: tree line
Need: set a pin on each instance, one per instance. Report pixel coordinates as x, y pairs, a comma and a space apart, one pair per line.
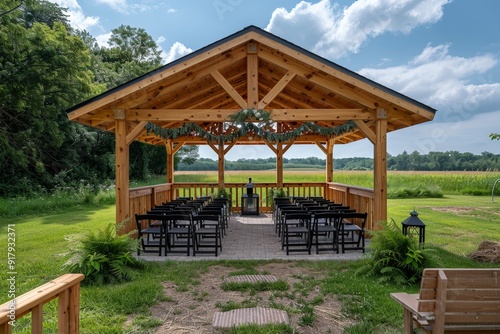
433, 161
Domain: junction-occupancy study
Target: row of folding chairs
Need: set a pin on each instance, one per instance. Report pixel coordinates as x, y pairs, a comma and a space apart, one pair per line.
179, 233
326, 231
188, 227
327, 227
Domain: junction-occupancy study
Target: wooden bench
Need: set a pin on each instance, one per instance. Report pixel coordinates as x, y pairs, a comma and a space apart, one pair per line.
452, 300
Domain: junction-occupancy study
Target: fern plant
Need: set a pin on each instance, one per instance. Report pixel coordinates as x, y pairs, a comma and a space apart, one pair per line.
395, 257
103, 256
222, 192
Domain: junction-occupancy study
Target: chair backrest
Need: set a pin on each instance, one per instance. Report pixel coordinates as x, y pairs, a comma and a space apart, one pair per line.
317, 208
339, 207
159, 210
357, 218
178, 218
330, 216
205, 217
303, 216
144, 220
293, 211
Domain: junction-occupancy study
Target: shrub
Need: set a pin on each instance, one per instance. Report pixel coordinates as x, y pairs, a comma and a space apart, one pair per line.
420, 191
103, 256
395, 257
276, 193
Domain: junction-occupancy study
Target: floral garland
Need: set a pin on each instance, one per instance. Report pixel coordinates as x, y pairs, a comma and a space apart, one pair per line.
254, 122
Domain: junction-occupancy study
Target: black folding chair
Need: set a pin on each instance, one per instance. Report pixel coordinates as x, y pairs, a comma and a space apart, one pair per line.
324, 232
150, 232
207, 234
178, 233
296, 236
352, 231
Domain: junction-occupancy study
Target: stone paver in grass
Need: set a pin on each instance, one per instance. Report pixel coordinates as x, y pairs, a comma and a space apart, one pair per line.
250, 279
247, 316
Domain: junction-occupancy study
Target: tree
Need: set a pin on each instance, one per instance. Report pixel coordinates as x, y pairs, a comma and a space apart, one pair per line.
43, 71
131, 53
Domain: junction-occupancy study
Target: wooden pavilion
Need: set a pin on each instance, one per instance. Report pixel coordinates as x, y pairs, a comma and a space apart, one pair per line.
196, 99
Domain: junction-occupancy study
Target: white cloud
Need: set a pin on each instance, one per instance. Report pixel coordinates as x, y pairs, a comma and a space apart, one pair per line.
160, 40
123, 7
102, 40
120, 6
471, 135
171, 11
76, 17
325, 30
176, 51
457, 86
305, 24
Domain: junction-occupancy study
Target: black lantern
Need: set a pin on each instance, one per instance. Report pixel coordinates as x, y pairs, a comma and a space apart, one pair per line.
413, 226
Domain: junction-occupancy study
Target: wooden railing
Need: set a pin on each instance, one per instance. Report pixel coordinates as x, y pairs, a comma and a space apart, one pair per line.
358, 198
144, 198
66, 288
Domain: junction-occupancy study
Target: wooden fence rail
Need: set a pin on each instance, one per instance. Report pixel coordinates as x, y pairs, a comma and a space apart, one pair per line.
358, 198
66, 288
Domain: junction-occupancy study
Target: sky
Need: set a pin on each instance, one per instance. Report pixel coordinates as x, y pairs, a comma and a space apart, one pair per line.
443, 53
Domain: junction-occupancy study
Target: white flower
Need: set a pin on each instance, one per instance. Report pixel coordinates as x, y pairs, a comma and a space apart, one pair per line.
257, 114
245, 111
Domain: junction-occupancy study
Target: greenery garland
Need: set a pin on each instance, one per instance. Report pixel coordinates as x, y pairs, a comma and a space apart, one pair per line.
252, 122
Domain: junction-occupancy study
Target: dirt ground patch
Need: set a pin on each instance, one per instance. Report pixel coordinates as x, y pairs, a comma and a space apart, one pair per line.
191, 310
453, 209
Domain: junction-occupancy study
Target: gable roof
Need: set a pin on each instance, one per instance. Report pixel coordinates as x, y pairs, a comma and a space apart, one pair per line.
251, 68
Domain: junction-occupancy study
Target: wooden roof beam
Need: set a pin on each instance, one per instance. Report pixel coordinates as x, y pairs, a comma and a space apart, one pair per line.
221, 115
228, 88
366, 130
278, 88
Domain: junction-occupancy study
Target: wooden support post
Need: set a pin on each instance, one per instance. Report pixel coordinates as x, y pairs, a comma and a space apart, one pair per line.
169, 146
329, 160
36, 319
279, 165
121, 167
252, 75
63, 308
220, 153
380, 169
74, 309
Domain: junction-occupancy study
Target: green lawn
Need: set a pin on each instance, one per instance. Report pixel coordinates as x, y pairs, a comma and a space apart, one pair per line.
456, 223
